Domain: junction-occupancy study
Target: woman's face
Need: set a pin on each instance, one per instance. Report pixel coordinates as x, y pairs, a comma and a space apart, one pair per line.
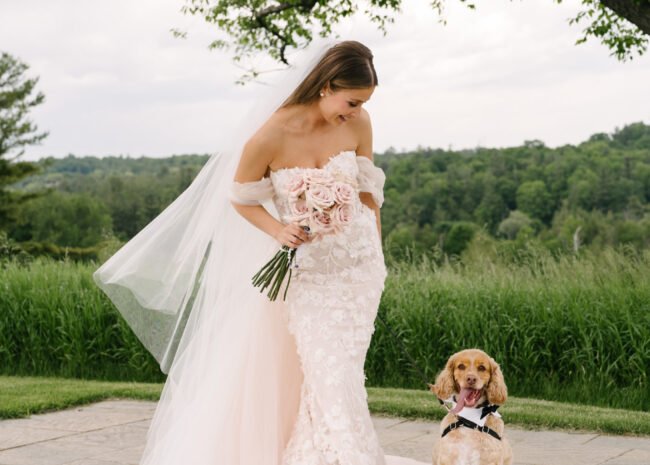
344, 104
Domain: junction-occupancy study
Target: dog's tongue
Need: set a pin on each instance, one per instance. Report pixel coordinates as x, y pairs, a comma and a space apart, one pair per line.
461, 400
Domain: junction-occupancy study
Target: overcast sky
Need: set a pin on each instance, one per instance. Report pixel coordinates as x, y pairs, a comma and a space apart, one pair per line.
117, 82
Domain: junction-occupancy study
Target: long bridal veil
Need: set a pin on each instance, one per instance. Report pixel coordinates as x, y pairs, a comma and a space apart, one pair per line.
183, 284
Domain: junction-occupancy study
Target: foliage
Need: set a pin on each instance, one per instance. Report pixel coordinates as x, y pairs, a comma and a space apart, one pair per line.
564, 327
275, 28
590, 195
94, 197
16, 132
251, 26
620, 35
601, 186
71, 220
55, 320
10, 250
534, 199
515, 222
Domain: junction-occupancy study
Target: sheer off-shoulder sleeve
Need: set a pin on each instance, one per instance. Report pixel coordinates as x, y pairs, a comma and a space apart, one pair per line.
251, 193
371, 179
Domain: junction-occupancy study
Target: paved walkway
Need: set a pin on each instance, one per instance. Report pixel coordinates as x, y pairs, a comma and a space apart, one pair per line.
113, 432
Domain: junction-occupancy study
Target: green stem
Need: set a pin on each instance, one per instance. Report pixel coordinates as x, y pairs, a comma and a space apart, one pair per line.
269, 264
278, 282
271, 268
284, 297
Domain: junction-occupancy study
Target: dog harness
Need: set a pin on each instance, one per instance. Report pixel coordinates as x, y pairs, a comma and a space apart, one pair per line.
473, 418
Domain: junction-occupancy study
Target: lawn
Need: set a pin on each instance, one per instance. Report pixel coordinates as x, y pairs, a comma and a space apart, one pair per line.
22, 396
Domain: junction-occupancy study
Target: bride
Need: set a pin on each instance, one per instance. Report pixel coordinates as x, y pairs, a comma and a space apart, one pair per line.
254, 381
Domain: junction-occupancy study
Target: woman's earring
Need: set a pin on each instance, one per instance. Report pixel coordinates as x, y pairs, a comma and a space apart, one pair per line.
322, 94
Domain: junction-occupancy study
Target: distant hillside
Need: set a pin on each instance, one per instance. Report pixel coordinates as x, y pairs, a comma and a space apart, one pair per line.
72, 172
591, 194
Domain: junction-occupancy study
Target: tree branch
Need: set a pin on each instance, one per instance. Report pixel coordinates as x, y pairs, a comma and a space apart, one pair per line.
305, 5
635, 11
260, 18
283, 41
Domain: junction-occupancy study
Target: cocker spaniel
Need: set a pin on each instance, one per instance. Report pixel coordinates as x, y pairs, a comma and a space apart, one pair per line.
472, 431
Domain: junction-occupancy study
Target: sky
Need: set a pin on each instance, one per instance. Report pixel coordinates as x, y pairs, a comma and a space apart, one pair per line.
116, 81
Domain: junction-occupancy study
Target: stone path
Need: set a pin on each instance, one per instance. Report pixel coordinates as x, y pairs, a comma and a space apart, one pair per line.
112, 432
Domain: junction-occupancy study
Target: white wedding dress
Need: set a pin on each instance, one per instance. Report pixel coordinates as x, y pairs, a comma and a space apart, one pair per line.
322, 332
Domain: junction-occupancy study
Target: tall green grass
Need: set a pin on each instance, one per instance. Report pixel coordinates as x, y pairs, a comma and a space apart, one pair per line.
54, 320
567, 328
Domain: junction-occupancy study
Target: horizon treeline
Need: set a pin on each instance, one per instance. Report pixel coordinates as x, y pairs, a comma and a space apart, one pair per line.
593, 194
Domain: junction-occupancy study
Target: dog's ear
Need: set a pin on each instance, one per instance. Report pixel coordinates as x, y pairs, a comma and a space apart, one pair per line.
445, 383
497, 391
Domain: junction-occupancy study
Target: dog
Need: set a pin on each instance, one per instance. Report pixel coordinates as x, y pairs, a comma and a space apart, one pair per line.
473, 381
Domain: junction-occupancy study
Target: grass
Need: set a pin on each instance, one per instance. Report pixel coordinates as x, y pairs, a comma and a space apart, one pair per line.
23, 396
527, 413
569, 328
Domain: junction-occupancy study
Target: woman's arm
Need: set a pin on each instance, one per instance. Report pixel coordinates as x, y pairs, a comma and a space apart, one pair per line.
364, 131
259, 217
252, 166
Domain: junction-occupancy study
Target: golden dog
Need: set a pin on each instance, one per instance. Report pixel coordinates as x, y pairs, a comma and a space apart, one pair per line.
476, 383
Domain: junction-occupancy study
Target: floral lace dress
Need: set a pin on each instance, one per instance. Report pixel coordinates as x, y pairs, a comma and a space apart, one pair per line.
330, 310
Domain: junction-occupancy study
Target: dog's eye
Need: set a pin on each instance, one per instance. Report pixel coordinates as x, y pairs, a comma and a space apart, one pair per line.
481, 368
461, 367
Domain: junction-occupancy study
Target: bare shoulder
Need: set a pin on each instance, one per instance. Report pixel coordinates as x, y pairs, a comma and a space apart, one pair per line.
363, 133
258, 152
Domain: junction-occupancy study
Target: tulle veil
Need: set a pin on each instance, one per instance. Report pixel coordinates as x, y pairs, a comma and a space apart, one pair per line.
183, 284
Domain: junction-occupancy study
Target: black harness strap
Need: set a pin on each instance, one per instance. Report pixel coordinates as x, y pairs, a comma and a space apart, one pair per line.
487, 409
470, 424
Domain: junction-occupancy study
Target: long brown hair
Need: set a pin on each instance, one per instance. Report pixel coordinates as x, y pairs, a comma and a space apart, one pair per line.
345, 65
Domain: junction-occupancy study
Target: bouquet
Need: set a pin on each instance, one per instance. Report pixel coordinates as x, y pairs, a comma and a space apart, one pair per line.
321, 203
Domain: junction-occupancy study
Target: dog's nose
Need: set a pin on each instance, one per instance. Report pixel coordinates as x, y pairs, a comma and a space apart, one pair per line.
471, 380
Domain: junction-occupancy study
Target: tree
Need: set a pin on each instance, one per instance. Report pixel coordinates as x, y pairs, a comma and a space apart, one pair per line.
69, 220
16, 132
275, 27
492, 208
515, 222
534, 199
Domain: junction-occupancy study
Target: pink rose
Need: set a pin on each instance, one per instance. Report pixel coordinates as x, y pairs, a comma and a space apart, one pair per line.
344, 193
319, 197
296, 185
298, 209
342, 214
320, 222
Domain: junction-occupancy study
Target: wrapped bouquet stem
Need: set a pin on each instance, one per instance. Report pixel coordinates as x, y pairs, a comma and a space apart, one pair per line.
321, 203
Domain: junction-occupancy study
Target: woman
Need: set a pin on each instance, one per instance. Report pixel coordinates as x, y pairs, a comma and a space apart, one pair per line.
254, 381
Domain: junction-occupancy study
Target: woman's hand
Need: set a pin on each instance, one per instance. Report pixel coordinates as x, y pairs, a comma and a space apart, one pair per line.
292, 235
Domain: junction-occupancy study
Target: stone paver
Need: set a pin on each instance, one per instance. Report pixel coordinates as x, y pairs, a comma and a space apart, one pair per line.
113, 432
